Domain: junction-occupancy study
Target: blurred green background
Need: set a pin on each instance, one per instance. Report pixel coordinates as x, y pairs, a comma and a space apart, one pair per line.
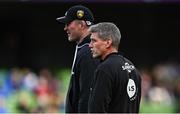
25, 91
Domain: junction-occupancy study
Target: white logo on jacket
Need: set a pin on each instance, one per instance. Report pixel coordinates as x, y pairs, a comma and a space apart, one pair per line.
128, 67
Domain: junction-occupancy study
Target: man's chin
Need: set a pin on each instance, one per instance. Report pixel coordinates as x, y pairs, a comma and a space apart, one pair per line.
71, 39
95, 56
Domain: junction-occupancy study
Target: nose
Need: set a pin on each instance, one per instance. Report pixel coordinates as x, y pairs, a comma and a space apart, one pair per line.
65, 27
90, 44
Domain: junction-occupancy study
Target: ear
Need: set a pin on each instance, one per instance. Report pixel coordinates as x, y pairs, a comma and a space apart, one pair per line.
80, 23
83, 24
108, 43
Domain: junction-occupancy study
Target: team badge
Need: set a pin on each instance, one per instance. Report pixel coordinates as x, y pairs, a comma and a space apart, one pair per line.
80, 14
131, 89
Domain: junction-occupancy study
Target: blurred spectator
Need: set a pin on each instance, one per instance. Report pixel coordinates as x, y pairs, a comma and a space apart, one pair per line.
30, 80
2, 105
47, 90
16, 77
146, 83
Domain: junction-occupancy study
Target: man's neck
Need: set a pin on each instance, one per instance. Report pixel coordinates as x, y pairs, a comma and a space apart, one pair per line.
111, 50
85, 33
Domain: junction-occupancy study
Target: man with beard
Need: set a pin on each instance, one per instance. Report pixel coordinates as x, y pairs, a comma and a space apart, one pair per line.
77, 21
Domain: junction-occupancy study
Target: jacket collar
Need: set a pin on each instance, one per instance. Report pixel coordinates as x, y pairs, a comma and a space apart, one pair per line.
86, 40
111, 54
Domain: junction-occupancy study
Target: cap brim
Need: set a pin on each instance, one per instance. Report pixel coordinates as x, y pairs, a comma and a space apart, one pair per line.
63, 19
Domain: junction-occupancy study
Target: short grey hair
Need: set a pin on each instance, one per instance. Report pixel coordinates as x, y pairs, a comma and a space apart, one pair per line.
107, 30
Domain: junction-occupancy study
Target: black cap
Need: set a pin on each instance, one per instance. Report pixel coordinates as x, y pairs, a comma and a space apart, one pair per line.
77, 12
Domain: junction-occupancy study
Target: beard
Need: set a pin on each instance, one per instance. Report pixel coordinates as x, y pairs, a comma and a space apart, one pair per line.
73, 38
70, 39
95, 54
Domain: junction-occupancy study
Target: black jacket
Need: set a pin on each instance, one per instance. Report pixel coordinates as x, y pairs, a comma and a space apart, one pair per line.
82, 74
116, 87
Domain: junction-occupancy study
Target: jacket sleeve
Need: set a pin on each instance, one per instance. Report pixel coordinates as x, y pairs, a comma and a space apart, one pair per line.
101, 93
86, 73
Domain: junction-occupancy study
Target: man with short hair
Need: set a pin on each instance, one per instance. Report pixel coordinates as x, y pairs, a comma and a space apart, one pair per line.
77, 21
116, 87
